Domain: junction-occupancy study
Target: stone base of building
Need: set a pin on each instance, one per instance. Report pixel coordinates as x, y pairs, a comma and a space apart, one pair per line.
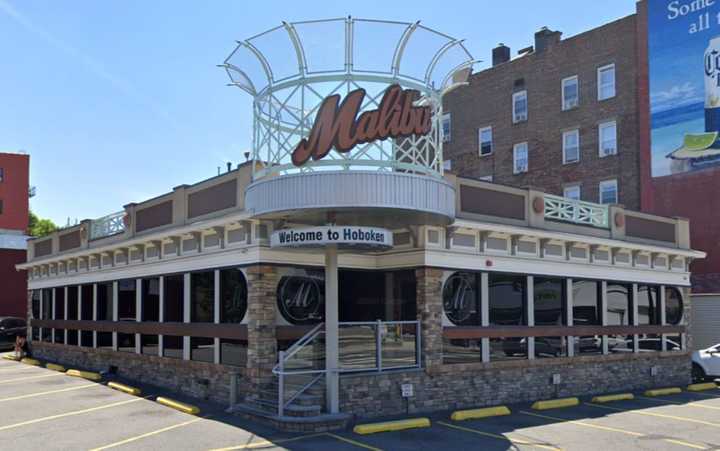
320, 423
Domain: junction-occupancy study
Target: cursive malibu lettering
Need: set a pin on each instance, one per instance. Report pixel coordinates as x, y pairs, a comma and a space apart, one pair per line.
338, 125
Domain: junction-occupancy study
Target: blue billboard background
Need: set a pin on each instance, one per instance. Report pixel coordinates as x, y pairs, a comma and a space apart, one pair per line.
679, 32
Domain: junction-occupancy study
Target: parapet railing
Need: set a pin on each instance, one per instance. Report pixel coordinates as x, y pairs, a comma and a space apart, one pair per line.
111, 224
576, 211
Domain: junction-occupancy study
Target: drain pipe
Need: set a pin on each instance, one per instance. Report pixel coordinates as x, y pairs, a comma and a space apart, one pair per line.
233, 388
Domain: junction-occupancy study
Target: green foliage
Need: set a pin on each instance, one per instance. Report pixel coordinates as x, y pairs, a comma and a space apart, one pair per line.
40, 227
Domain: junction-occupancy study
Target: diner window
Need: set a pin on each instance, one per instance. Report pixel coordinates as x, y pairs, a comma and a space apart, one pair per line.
461, 307
619, 313
86, 313
607, 138
126, 342
202, 349
485, 138
149, 344
570, 93
59, 336
72, 303
59, 303
35, 294
202, 297
608, 192
233, 352
520, 158
520, 107
233, 295
150, 299
127, 301
571, 146
174, 298
72, 337
673, 306
365, 296
587, 312
172, 346
446, 127
507, 299
572, 192
648, 304
549, 297
47, 294
606, 82
105, 301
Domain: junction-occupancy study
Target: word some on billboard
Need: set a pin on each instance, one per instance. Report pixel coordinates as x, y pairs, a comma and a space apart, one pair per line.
338, 126
342, 235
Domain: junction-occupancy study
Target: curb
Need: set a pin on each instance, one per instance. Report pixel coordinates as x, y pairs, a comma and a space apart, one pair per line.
555, 403
55, 367
702, 387
125, 388
85, 375
663, 391
29, 361
610, 398
460, 415
177, 405
11, 357
389, 426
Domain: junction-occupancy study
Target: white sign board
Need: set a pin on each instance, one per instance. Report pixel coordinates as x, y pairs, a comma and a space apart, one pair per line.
344, 236
407, 390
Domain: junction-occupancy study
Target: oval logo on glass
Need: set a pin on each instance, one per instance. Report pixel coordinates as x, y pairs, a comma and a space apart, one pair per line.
300, 299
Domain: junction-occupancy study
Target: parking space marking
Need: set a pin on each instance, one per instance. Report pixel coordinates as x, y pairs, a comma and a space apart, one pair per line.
147, 434
17, 368
352, 442
654, 414
49, 392
514, 441
268, 442
682, 443
689, 404
69, 414
23, 379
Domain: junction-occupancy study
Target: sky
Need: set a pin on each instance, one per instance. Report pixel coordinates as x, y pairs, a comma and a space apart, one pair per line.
119, 101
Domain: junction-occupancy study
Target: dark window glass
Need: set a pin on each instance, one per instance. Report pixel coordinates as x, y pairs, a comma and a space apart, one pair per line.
507, 299
126, 342
508, 349
673, 306
619, 314
173, 346
46, 335
127, 301
36, 334
233, 296
149, 344
72, 303
104, 340
72, 337
549, 347
59, 303
202, 349
202, 297
47, 294
86, 338
233, 352
86, 313
364, 296
647, 305
35, 304
104, 303
461, 298
174, 298
151, 299
59, 336
549, 297
586, 312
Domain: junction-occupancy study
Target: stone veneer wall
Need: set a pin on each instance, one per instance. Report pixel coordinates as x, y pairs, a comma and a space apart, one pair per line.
475, 385
187, 377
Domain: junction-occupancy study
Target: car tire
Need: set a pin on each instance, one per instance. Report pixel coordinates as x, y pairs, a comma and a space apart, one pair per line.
698, 373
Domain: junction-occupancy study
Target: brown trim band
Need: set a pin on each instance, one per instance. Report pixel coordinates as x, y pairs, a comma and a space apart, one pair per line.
554, 331
229, 331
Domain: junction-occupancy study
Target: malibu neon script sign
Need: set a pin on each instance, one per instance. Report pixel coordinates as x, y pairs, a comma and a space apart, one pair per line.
338, 124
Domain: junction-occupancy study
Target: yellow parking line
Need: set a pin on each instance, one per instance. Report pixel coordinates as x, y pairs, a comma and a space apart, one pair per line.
17, 368
147, 434
69, 414
268, 442
42, 393
352, 442
689, 404
514, 441
682, 443
658, 415
22, 379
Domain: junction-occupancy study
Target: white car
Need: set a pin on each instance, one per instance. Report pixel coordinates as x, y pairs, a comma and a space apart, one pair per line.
706, 363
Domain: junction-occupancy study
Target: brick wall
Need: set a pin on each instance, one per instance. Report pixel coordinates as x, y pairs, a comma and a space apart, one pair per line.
13, 283
487, 101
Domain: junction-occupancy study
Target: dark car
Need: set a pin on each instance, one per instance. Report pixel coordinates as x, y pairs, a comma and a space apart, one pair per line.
10, 328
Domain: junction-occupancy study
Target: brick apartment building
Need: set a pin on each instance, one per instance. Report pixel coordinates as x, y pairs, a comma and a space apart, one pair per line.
14, 185
561, 116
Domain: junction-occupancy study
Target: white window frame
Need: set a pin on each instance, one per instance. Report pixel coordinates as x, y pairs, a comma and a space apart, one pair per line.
516, 148
446, 118
600, 70
605, 183
515, 95
575, 186
480, 141
575, 131
601, 127
565, 81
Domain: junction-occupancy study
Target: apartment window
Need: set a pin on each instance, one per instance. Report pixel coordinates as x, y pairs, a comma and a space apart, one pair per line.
2, 174
606, 82
571, 146
486, 140
608, 192
572, 192
520, 107
1, 206
570, 93
446, 127
607, 138
520, 158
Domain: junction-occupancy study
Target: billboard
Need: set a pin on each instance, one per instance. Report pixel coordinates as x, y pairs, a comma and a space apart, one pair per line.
684, 69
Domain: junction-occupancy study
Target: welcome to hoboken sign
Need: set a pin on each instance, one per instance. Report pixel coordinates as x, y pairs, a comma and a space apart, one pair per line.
351, 236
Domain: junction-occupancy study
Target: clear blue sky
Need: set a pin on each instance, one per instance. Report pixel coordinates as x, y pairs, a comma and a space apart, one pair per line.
119, 101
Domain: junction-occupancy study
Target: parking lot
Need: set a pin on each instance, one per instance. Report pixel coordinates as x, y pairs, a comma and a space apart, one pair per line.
42, 409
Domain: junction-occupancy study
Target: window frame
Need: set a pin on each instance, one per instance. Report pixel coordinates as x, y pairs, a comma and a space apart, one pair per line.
577, 186
517, 147
565, 81
600, 70
527, 106
2, 174
446, 118
602, 126
575, 131
612, 182
480, 141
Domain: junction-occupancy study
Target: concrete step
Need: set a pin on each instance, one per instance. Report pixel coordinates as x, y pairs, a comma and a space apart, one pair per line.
292, 410
319, 423
304, 399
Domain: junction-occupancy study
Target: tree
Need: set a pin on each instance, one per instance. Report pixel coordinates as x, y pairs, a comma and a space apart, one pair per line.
38, 227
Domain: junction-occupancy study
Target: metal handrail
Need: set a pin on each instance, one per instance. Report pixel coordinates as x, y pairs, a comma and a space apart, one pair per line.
292, 350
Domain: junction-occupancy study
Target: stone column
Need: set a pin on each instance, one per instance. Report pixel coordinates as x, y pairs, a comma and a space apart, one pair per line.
262, 342
429, 313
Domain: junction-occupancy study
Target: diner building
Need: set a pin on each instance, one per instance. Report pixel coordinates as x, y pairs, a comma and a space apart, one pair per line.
342, 272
